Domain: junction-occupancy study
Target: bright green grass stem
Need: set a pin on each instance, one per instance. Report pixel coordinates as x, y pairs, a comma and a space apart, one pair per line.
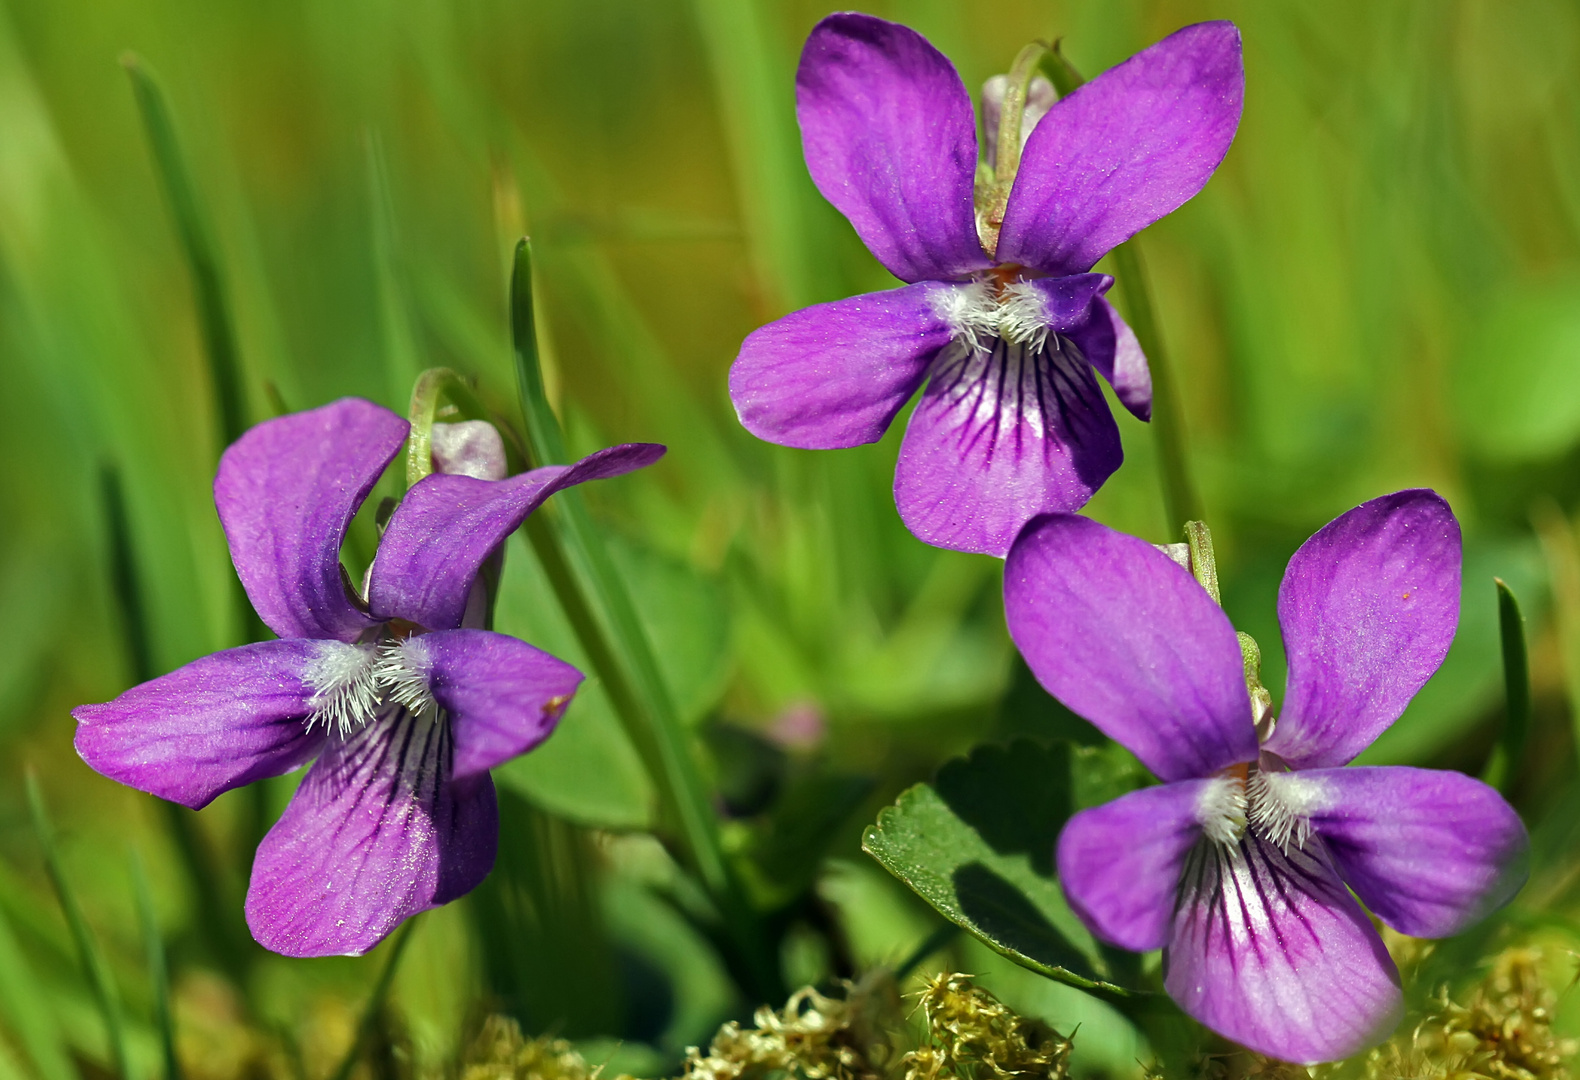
94, 963
1504, 764
1180, 501
623, 657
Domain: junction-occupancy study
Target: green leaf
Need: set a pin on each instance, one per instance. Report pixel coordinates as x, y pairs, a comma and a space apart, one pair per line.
687, 616
978, 845
588, 771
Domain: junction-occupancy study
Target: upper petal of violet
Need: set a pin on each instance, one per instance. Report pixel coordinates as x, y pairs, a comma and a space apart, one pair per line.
376, 832
218, 723
834, 375
1125, 637
447, 525
1269, 949
503, 696
890, 140
1427, 850
286, 491
1368, 608
1124, 150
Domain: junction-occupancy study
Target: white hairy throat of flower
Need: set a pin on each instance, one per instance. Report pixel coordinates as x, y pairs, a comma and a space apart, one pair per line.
979, 312
351, 683
1275, 805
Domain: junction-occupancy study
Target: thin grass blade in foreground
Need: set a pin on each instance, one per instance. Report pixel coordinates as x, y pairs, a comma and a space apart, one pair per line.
623, 656
158, 970
1180, 500
1504, 764
376, 1001
94, 964
197, 243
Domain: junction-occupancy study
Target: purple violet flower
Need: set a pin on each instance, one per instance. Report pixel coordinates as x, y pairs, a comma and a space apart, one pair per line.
402, 700
1240, 865
1000, 316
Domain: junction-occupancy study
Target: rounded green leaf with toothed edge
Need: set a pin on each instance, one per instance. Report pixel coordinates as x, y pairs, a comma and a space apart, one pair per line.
977, 844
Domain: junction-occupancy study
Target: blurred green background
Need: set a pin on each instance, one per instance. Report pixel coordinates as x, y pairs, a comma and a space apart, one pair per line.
1379, 289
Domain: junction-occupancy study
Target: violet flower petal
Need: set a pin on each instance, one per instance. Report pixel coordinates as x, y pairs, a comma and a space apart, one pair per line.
1120, 862
1110, 346
286, 491
376, 833
468, 448
218, 723
1040, 97
1124, 150
1428, 851
1368, 608
891, 141
502, 695
999, 437
447, 525
834, 375
1122, 635
1269, 949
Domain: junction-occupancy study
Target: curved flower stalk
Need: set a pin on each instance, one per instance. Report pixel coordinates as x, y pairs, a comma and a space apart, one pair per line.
404, 702
999, 316
1240, 865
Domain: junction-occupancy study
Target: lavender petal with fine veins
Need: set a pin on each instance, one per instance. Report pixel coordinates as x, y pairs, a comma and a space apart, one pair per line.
1000, 319
1240, 866
404, 706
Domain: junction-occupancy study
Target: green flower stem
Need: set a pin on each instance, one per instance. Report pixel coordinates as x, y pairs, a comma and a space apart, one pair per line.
94, 964
158, 971
1007, 161
431, 385
1180, 501
1504, 764
375, 1005
605, 619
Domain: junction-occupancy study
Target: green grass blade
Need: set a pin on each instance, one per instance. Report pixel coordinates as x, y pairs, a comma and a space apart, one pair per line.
94, 964
215, 320
197, 243
158, 969
622, 654
1504, 765
751, 83
1180, 500
25, 1006
375, 1005
402, 354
